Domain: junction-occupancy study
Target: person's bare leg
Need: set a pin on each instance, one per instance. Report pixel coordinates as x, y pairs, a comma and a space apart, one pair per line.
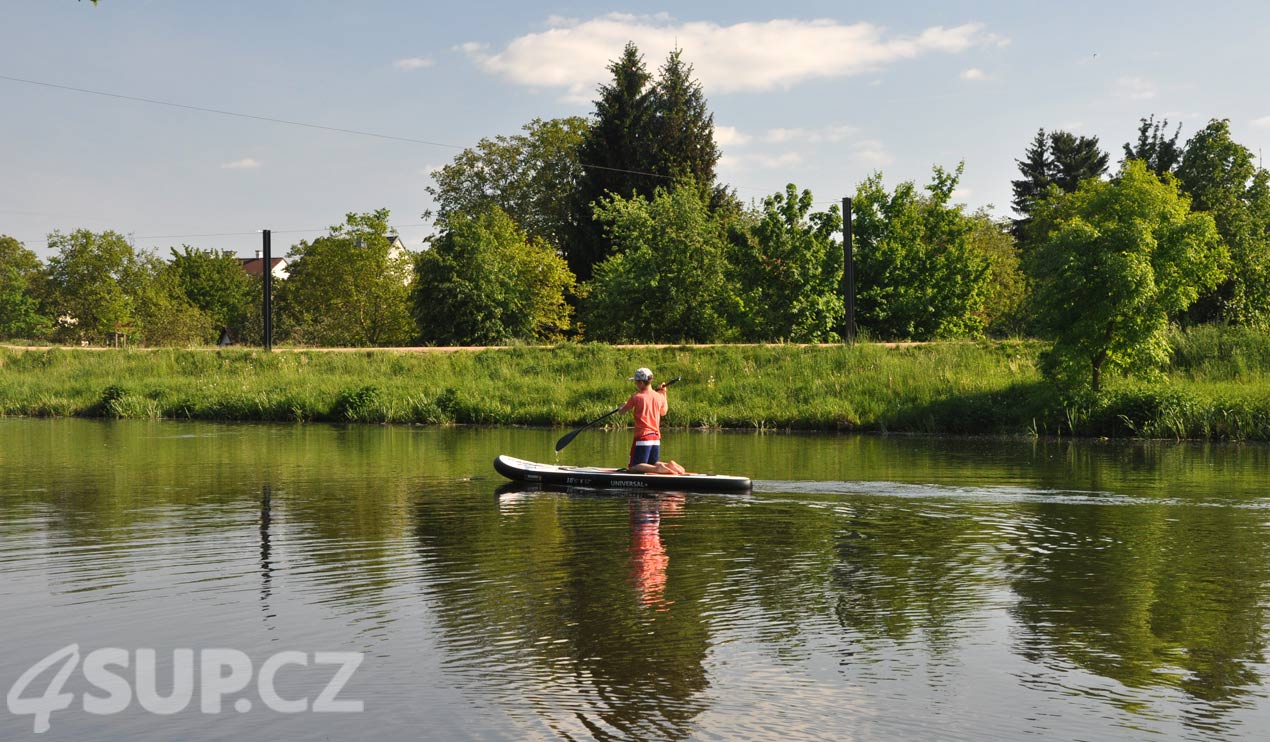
662, 467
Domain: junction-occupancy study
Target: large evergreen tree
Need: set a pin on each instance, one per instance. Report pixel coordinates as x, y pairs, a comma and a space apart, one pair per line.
1059, 159
1036, 167
646, 134
682, 142
615, 156
1076, 159
1160, 152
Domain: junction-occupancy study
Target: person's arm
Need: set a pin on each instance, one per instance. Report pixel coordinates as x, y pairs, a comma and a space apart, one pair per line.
665, 400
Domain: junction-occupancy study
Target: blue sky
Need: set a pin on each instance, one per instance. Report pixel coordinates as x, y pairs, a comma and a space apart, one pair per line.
815, 93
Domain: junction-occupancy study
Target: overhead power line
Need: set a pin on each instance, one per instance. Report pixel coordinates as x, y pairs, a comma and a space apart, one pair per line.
307, 125
288, 122
236, 114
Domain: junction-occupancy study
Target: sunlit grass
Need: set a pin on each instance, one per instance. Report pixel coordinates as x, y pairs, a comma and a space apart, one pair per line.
952, 387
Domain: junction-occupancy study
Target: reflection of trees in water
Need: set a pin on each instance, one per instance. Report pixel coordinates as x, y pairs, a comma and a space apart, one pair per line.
902, 571
541, 606
1150, 595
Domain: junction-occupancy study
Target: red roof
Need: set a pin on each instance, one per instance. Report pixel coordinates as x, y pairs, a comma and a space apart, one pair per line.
256, 266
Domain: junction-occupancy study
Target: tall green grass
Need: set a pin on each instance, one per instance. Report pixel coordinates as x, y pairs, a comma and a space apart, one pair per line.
935, 388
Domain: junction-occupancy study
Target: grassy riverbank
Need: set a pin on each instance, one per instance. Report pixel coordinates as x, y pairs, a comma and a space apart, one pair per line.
1219, 387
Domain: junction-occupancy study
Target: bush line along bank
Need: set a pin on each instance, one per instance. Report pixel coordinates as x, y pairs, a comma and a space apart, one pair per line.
1217, 387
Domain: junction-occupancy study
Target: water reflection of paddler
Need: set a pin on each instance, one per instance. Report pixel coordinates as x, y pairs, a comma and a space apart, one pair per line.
648, 556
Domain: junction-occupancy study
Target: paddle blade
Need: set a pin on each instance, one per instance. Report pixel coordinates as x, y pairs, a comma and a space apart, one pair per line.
566, 439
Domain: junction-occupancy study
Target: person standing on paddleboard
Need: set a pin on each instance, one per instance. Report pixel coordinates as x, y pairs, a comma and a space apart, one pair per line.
647, 405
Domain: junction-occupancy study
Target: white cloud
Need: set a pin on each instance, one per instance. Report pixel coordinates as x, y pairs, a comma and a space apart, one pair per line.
962, 194
974, 73
574, 55
1262, 123
1136, 88
245, 163
871, 152
726, 136
413, 63
831, 134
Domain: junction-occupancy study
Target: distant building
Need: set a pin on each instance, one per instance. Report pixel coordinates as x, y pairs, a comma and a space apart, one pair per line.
396, 248
256, 266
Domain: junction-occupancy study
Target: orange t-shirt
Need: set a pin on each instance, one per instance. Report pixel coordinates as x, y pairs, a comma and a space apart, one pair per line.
648, 407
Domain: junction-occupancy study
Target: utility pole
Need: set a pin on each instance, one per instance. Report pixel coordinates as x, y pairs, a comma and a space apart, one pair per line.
268, 276
848, 273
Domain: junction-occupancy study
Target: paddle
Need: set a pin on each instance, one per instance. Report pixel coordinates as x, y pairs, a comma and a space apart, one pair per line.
568, 437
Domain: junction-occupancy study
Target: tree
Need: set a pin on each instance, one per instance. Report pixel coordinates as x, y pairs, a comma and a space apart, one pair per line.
916, 274
1007, 291
162, 313
1222, 179
791, 270
682, 136
1076, 159
20, 275
1061, 160
1161, 153
90, 279
531, 176
1037, 168
485, 282
216, 284
1123, 255
352, 286
615, 155
668, 279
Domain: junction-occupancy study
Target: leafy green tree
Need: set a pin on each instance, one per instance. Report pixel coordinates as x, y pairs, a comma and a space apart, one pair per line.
531, 176
21, 274
216, 284
917, 275
352, 286
668, 279
791, 270
1160, 152
162, 312
1222, 179
616, 156
1123, 255
89, 282
1004, 303
485, 282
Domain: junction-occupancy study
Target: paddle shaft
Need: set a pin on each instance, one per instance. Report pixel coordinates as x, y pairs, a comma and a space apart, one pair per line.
567, 438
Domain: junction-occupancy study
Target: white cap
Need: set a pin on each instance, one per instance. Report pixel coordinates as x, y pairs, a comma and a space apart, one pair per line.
642, 374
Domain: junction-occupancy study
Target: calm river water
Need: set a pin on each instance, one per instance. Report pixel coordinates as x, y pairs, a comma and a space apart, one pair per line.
868, 589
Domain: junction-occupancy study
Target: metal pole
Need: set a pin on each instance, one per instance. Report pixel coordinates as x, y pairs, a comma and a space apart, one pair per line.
268, 276
848, 272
